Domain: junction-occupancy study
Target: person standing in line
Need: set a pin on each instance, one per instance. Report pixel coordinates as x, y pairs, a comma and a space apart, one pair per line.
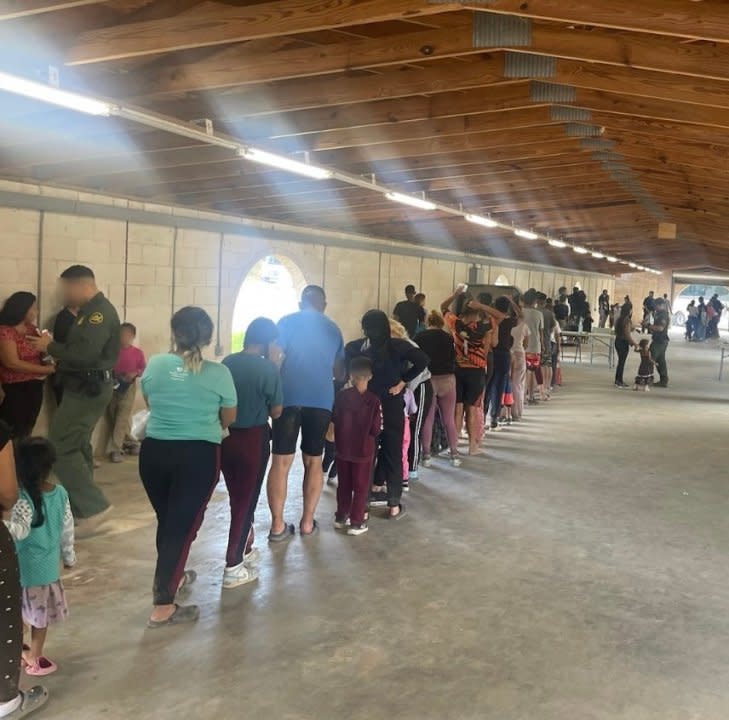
659, 330
520, 336
603, 306
701, 321
22, 370
245, 452
62, 325
422, 391
86, 361
191, 401
14, 703
128, 368
395, 363
313, 351
438, 345
409, 313
534, 321
502, 357
473, 339
623, 342
357, 420
692, 318
41, 524
547, 362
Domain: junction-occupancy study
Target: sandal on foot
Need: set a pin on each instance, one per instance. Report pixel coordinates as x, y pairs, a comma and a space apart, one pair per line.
42, 666
314, 530
182, 615
401, 514
286, 534
188, 579
30, 701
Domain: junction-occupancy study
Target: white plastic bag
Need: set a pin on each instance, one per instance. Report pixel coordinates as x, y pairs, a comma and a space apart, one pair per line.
139, 425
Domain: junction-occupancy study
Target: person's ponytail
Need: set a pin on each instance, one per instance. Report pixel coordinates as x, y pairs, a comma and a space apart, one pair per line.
193, 330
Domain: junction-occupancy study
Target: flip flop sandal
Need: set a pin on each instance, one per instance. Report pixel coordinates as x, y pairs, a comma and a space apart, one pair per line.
188, 578
286, 534
183, 614
30, 701
43, 666
314, 530
401, 514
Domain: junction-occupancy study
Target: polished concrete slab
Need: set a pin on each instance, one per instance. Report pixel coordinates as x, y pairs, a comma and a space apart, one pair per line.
577, 573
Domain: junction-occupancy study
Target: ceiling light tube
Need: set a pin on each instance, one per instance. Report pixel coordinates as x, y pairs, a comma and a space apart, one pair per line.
612, 259
54, 96
633, 265
285, 163
411, 200
580, 250
557, 243
598, 256
480, 220
526, 234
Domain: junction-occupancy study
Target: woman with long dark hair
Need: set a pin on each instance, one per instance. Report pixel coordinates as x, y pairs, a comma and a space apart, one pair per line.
245, 452
623, 341
395, 363
22, 371
191, 400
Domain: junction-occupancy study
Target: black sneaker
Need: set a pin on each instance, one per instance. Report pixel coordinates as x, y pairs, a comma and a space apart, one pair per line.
378, 499
406, 486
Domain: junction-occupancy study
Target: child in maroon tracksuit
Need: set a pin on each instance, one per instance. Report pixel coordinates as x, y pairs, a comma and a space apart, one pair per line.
357, 423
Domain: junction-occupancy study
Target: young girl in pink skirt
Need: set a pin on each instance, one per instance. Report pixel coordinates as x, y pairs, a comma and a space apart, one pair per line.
42, 525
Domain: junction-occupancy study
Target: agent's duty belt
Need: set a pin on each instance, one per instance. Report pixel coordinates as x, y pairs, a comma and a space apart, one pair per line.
98, 375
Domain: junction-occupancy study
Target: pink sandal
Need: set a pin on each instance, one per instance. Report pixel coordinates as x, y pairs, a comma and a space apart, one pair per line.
43, 666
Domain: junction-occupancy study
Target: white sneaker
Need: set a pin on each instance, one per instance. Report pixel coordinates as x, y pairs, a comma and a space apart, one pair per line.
252, 558
427, 462
358, 529
456, 461
341, 524
239, 575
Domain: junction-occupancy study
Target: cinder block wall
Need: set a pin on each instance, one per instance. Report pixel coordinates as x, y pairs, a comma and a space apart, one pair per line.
148, 270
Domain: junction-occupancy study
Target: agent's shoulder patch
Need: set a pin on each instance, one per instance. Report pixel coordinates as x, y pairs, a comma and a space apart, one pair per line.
96, 318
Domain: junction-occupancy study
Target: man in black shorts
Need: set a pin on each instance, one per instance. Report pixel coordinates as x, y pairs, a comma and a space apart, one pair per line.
313, 354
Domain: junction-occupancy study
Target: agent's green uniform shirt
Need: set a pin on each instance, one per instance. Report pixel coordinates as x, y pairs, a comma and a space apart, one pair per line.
94, 341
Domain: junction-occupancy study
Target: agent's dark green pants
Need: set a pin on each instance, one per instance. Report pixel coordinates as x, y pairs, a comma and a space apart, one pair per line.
658, 353
70, 433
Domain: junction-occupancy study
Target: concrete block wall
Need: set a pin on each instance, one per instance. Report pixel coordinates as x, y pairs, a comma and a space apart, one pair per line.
149, 269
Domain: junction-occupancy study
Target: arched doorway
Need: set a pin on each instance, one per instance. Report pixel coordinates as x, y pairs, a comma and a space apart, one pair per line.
271, 289
694, 292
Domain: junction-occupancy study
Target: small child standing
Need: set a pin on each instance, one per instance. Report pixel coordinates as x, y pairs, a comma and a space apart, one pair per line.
41, 524
411, 409
357, 420
507, 403
645, 377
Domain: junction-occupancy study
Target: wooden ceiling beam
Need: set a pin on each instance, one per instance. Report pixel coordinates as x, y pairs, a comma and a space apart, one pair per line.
14, 9
246, 64
707, 20
212, 23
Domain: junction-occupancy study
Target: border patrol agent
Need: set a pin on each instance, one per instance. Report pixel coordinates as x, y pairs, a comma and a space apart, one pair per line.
85, 362
659, 330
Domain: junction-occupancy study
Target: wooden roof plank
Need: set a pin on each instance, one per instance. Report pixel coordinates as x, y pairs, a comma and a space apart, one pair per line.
212, 23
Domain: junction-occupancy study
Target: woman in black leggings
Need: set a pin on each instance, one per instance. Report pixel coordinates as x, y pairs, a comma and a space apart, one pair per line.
623, 341
13, 703
394, 364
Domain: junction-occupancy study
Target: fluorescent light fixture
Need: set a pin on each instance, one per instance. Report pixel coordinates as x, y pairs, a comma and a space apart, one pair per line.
598, 256
285, 163
612, 259
633, 265
557, 243
480, 220
526, 234
580, 250
411, 200
52, 95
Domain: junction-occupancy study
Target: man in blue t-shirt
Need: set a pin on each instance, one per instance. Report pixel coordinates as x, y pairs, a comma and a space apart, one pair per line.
313, 356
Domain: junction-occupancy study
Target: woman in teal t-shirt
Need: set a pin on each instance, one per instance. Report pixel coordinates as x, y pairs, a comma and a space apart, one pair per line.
191, 401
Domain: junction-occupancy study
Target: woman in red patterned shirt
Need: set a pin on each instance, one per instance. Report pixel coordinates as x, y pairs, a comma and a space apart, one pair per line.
22, 371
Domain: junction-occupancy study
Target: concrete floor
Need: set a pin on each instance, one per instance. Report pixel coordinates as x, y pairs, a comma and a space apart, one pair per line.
579, 573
